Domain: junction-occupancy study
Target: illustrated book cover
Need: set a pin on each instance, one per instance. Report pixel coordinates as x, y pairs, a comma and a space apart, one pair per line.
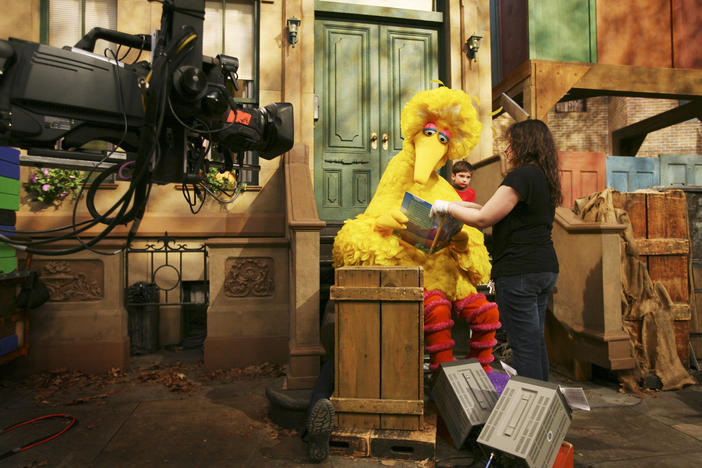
423, 232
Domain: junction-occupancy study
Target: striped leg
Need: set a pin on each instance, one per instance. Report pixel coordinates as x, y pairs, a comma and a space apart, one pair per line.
437, 328
484, 320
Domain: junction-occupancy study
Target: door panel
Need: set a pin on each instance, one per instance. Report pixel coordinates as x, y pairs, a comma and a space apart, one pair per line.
628, 174
681, 169
581, 173
410, 57
364, 74
345, 164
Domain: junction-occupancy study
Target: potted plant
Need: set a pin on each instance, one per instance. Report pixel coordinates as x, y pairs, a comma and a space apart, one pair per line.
52, 186
223, 182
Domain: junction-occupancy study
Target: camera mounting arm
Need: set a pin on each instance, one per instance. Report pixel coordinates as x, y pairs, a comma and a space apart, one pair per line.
137, 41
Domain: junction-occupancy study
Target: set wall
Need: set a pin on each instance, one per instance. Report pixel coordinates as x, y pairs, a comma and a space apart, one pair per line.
20, 20
582, 131
683, 138
590, 130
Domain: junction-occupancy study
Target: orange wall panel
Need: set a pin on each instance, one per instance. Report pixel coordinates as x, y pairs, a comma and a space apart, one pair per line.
581, 173
635, 32
687, 34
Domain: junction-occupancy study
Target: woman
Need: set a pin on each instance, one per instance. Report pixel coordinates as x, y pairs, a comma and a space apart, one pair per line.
524, 267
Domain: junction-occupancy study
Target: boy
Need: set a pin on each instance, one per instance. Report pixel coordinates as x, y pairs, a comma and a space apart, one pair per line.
461, 173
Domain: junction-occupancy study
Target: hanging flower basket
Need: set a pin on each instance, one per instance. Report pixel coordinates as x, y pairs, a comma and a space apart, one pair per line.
223, 182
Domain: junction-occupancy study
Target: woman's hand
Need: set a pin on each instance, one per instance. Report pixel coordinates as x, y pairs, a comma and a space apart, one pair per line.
439, 208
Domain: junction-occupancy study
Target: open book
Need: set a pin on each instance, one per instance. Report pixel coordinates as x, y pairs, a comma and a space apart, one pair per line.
423, 232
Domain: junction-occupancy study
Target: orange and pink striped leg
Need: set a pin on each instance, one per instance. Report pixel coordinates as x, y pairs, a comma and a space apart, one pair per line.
484, 320
437, 328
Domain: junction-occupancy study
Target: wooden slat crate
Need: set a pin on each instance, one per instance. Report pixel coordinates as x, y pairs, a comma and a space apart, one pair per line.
388, 443
659, 222
379, 347
696, 322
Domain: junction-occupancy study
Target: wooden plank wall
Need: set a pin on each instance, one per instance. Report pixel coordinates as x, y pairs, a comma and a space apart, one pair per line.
659, 222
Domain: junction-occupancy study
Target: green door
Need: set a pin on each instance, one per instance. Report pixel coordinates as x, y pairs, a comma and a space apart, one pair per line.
364, 75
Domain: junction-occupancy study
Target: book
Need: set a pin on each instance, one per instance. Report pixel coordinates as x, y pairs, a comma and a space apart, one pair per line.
426, 234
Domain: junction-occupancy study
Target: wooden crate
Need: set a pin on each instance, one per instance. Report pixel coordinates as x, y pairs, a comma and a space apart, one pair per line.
379, 347
387, 443
660, 225
696, 319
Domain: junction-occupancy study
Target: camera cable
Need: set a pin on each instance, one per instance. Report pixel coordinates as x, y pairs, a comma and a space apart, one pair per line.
71, 421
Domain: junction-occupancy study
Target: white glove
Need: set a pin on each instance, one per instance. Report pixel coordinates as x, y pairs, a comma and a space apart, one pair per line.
439, 208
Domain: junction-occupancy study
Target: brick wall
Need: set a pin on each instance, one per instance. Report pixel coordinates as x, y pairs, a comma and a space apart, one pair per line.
582, 131
589, 130
683, 138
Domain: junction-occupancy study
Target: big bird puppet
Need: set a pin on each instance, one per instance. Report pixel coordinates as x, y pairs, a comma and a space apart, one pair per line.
437, 125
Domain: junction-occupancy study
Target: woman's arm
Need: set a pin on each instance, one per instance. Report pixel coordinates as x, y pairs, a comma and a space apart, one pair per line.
468, 204
496, 208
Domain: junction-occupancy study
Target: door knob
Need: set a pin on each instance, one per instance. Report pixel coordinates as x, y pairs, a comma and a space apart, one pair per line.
374, 140
385, 141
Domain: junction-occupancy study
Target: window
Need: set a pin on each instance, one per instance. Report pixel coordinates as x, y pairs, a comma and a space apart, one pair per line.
576, 105
425, 5
64, 30
231, 28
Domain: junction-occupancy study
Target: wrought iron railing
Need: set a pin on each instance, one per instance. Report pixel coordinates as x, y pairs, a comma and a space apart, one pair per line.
165, 270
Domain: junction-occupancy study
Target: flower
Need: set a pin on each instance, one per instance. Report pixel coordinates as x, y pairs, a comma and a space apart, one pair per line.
51, 186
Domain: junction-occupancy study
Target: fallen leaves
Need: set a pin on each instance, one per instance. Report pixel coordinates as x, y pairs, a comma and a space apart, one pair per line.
62, 384
172, 378
265, 369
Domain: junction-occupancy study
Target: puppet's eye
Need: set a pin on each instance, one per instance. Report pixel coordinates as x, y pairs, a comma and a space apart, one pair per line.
429, 129
444, 137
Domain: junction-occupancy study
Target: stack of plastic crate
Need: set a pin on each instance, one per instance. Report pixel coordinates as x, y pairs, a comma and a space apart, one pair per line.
9, 203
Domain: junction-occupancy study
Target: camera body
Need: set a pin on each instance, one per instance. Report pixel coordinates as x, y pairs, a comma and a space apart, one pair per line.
165, 113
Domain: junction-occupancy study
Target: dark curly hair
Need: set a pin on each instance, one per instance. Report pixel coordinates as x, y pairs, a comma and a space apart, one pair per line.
531, 142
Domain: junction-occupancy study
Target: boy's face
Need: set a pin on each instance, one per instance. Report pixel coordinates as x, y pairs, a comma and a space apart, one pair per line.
461, 179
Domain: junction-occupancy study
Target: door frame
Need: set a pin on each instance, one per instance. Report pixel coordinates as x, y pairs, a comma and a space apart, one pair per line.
382, 17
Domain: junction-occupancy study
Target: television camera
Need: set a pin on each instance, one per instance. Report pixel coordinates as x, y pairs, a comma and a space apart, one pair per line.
164, 117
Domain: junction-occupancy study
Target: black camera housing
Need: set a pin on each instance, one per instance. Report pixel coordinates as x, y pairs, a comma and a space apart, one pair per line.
162, 113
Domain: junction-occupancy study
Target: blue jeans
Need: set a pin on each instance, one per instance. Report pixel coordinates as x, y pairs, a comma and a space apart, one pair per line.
522, 300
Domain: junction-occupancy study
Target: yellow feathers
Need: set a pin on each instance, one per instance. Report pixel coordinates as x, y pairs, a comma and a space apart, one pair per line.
366, 239
448, 108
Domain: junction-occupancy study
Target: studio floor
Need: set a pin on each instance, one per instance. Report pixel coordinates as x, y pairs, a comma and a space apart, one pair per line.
169, 411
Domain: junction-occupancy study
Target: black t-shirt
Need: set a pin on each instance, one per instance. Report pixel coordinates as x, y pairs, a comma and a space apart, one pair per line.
522, 239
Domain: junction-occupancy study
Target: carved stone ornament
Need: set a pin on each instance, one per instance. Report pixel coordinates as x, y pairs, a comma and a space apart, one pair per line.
252, 276
79, 280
